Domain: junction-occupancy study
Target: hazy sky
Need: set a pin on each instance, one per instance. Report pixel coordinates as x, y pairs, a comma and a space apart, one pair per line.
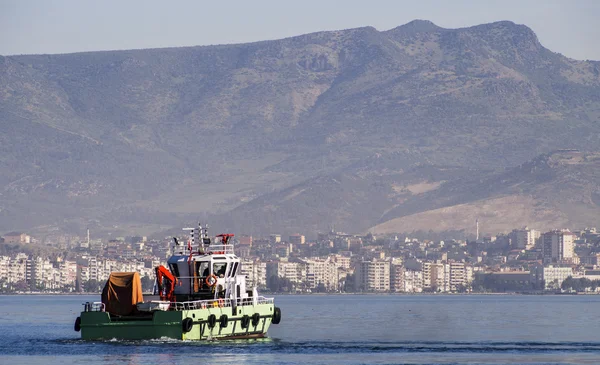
62, 26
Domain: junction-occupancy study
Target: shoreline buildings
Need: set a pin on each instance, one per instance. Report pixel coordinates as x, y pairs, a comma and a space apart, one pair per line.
523, 260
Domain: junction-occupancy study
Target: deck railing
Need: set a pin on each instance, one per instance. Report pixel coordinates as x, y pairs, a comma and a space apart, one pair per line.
190, 305
94, 307
214, 249
218, 303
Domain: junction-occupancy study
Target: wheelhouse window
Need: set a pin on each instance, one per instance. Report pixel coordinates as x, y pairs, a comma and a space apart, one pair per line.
233, 269
219, 269
174, 269
202, 269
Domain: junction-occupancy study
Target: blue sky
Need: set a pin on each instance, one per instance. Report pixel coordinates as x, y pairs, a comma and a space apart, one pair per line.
63, 26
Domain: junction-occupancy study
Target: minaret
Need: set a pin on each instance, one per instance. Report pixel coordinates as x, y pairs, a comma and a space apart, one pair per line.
477, 230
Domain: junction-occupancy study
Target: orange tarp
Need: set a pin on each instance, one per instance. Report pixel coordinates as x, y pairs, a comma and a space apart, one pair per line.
122, 292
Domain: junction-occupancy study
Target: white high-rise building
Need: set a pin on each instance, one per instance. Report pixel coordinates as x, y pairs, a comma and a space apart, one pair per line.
255, 272
4, 264
436, 276
68, 273
558, 246
341, 261
373, 276
413, 281
397, 276
293, 271
426, 274
552, 276
249, 271
461, 276
525, 239
17, 268
322, 271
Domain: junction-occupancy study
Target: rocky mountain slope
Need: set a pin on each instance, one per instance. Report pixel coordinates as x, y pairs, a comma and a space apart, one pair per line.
556, 190
311, 131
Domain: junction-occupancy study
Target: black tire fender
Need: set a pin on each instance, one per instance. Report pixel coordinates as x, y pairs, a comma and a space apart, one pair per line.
187, 324
77, 326
224, 321
212, 320
276, 315
255, 319
245, 321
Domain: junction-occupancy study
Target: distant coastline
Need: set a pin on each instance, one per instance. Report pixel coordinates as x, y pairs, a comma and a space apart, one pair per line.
333, 294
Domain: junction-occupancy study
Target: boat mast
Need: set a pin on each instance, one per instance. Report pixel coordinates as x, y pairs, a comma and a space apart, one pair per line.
191, 239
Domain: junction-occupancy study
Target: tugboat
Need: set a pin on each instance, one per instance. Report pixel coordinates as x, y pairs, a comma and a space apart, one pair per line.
202, 295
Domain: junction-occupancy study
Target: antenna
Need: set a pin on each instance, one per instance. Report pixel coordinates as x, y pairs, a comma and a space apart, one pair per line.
175, 244
205, 238
191, 232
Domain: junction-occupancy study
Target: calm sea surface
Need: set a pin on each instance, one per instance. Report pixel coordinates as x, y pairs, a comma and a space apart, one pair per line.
336, 329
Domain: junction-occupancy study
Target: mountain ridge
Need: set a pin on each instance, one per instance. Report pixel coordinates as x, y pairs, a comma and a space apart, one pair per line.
140, 132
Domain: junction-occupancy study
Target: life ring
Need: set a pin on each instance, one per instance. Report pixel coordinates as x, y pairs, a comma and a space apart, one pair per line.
77, 326
255, 319
212, 320
187, 324
224, 321
203, 305
276, 315
211, 280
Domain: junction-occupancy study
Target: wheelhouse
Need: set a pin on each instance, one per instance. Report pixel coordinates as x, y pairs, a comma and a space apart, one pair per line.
208, 270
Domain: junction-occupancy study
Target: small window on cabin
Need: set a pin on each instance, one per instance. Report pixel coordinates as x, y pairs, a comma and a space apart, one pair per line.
234, 270
219, 269
203, 269
174, 270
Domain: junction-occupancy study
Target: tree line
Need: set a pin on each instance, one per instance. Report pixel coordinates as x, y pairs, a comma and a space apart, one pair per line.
579, 284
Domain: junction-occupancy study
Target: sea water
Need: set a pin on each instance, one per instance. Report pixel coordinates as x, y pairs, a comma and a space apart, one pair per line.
333, 329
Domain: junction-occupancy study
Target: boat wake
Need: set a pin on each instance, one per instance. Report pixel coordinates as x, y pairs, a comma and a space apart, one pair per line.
433, 347
275, 346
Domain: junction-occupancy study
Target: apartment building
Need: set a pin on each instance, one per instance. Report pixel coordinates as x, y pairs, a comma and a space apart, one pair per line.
525, 239
373, 276
17, 237
297, 239
397, 276
439, 277
68, 273
461, 276
558, 246
255, 272
293, 271
42, 272
17, 269
551, 275
322, 271
341, 261
426, 274
4, 262
413, 281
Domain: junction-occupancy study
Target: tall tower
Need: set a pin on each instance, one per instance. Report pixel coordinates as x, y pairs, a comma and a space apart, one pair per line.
476, 229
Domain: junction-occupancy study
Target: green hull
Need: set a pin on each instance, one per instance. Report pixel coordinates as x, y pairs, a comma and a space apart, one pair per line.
248, 321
